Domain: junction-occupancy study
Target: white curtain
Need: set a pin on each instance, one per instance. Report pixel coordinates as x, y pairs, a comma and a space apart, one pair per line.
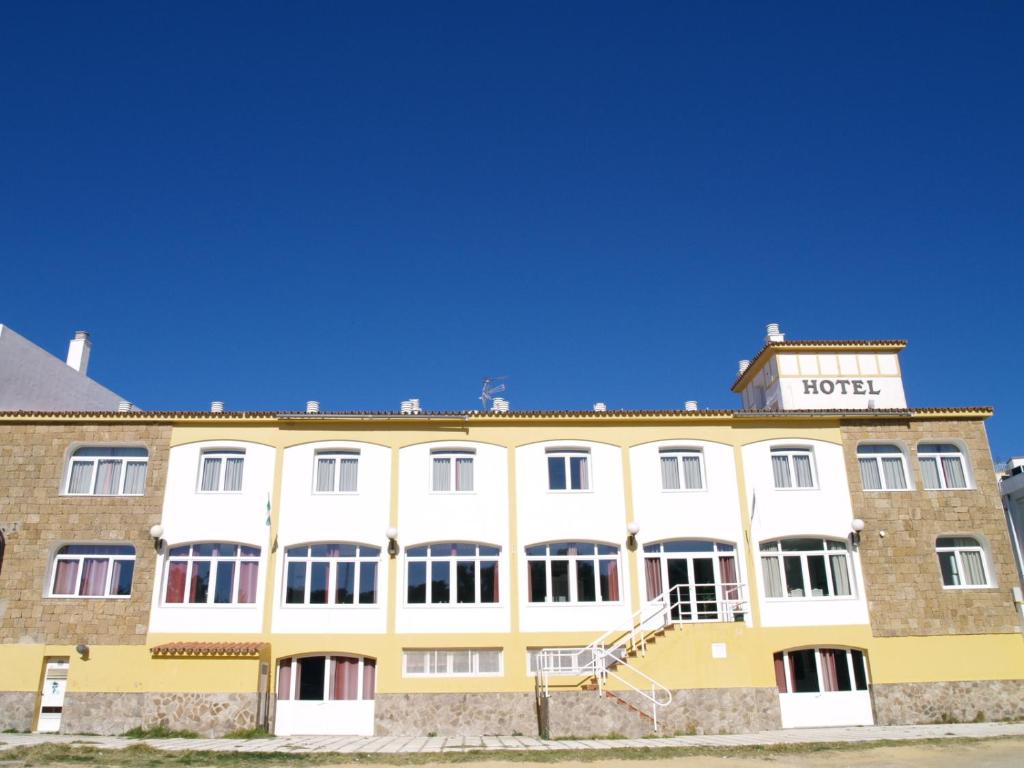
869, 475
803, 471
895, 478
81, 477
135, 477
840, 574
233, 474
211, 474
325, 475
780, 468
584, 475
930, 473
670, 473
108, 476
349, 475
974, 568
442, 474
772, 577
953, 469
691, 472
464, 474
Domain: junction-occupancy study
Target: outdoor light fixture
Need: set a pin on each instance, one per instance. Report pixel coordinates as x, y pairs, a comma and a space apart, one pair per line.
82, 650
856, 525
157, 532
632, 529
392, 534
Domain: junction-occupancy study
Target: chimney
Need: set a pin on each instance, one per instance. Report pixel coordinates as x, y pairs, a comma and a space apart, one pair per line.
773, 333
499, 405
691, 405
312, 406
124, 406
744, 364
600, 407
406, 406
78, 352
217, 406
415, 403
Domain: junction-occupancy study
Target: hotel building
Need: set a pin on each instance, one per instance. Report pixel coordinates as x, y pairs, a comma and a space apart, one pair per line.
824, 555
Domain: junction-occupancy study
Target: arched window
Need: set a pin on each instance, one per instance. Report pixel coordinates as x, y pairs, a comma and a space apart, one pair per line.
440, 574
221, 470
793, 467
942, 466
326, 678
452, 470
93, 570
337, 471
100, 470
882, 468
568, 469
820, 670
572, 572
682, 469
806, 568
698, 579
962, 562
212, 573
334, 573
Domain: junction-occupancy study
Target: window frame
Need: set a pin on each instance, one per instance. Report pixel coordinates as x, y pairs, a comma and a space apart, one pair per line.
332, 575
877, 458
791, 451
780, 554
477, 558
94, 461
474, 659
937, 456
818, 670
293, 678
211, 589
80, 559
566, 454
677, 453
221, 454
452, 455
337, 455
957, 551
572, 572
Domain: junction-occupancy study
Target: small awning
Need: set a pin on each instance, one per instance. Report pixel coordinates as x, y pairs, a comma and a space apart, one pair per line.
209, 649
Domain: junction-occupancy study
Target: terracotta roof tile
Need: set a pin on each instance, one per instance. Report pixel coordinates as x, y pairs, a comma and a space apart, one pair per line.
209, 649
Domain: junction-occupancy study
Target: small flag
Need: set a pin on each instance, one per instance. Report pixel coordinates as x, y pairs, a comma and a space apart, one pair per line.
268, 509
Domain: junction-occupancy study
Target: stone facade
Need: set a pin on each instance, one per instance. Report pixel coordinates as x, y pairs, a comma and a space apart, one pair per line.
901, 571
17, 709
954, 702
37, 518
584, 714
209, 714
455, 714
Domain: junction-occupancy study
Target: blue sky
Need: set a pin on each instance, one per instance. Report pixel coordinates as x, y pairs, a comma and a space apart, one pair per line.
358, 203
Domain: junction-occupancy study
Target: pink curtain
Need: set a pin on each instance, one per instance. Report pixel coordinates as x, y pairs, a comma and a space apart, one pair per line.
247, 582
613, 580
176, 582
728, 568
94, 577
828, 670
780, 674
66, 578
652, 568
284, 680
370, 678
345, 680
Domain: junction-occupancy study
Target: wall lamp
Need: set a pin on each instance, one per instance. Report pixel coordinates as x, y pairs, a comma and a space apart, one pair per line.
392, 534
82, 650
632, 529
856, 525
157, 532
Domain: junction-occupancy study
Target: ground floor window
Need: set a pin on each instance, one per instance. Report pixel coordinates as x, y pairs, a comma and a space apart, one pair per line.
326, 678
452, 662
820, 670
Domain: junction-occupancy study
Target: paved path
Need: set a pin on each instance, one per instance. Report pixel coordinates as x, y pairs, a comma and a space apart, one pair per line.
405, 744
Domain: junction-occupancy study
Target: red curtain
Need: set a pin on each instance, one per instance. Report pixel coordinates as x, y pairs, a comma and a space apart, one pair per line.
829, 682
370, 678
780, 674
345, 678
728, 568
247, 582
652, 568
176, 582
284, 680
613, 580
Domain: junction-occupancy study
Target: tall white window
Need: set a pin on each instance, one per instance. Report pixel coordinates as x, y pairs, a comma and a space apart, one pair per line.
793, 467
336, 472
107, 471
93, 570
806, 568
882, 468
331, 574
212, 573
452, 573
962, 562
568, 470
942, 466
682, 469
452, 470
456, 662
221, 470
820, 670
572, 572
326, 678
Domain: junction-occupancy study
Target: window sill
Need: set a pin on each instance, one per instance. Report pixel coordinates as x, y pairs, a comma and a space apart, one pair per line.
966, 587
812, 599
461, 606
888, 490
427, 675
578, 604
328, 606
684, 490
314, 493
808, 488
235, 606
451, 493
564, 491
102, 495
88, 597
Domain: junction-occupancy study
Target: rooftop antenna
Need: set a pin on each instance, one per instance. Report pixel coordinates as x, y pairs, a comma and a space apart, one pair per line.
491, 388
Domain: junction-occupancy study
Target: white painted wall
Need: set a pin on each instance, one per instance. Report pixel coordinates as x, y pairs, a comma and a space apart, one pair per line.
824, 511
866, 378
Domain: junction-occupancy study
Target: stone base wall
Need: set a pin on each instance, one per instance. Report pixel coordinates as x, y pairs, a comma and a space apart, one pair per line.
455, 714
955, 702
17, 709
584, 714
111, 714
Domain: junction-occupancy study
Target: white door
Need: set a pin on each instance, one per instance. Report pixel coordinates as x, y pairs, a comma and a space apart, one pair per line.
51, 699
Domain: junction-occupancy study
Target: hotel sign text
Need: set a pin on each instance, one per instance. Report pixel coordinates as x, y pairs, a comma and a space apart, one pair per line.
840, 386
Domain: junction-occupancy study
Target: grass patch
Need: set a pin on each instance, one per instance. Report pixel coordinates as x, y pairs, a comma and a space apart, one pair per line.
159, 732
248, 733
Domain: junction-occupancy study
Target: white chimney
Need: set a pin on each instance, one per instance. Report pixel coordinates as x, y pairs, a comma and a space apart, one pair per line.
744, 364
312, 406
499, 405
773, 333
600, 407
415, 403
691, 405
78, 352
406, 406
124, 406
217, 406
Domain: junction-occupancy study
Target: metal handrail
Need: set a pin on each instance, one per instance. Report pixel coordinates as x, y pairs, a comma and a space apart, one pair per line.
728, 604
